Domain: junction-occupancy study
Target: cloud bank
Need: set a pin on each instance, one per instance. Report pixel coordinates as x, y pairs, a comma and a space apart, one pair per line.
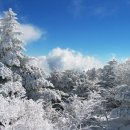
66, 59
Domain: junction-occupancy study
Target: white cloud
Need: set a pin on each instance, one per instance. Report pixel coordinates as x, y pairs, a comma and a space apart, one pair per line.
30, 33
67, 59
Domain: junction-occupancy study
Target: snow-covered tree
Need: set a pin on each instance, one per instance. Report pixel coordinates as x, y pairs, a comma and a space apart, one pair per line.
22, 114
73, 82
122, 72
10, 83
10, 43
107, 75
11, 46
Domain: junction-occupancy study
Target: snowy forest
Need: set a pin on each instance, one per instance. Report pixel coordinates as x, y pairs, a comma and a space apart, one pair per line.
30, 99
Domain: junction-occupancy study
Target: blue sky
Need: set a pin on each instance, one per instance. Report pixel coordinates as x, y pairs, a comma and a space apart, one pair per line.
93, 27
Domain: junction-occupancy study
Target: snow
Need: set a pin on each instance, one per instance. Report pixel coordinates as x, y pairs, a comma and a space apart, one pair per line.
98, 99
5, 72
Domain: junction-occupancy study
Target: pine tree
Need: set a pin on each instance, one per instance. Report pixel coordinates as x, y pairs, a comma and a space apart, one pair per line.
10, 43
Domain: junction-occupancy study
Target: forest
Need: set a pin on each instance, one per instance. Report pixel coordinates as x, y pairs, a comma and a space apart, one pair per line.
30, 99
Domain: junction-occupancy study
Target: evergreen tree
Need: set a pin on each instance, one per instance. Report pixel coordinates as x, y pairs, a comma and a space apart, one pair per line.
10, 43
